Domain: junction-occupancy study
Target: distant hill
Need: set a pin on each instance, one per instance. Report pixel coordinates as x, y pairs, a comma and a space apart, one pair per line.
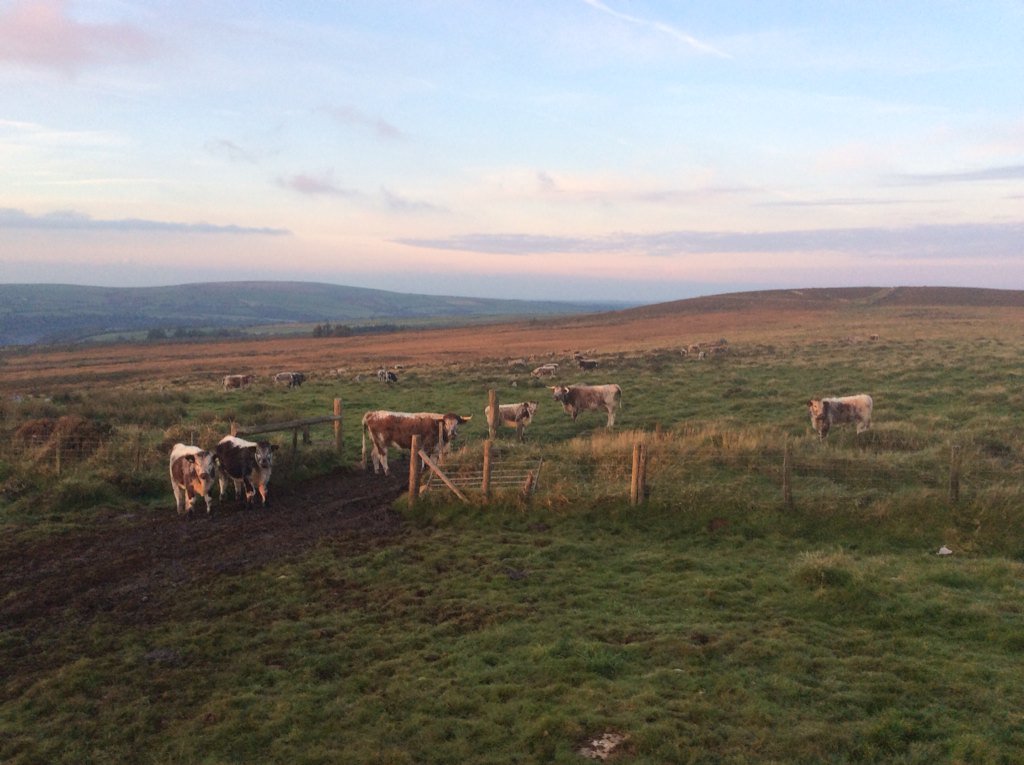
835, 298
44, 313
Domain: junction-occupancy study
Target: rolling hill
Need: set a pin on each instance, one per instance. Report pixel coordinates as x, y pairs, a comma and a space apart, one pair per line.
41, 313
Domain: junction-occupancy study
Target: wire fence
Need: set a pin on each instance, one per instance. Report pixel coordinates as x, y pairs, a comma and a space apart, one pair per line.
784, 471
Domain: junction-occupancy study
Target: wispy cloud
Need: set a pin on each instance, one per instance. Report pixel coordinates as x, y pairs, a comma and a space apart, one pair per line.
230, 151
999, 173
402, 204
316, 185
42, 33
69, 220
998, 240
659, 26
349, 116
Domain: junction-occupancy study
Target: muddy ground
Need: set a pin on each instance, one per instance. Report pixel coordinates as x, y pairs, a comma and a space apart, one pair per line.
129, 566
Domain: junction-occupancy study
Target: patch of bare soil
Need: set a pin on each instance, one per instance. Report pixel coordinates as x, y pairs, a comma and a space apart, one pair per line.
129, 567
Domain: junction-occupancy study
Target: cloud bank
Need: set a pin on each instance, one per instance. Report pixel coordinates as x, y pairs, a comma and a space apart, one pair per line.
68, 220
952, 240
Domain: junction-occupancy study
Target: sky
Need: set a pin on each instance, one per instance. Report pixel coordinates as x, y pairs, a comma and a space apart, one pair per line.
626, 150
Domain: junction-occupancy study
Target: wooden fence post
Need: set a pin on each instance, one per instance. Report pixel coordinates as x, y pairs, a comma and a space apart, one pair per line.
635, 489
954, 473
641, 495
787, 474
337, 426
414, 471
492, 418
485, 485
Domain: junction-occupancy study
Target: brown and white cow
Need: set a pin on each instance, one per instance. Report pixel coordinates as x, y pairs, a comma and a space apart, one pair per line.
237, 381
583, 398
545, 370
193, 472
516, 416
291, 379
248, 465
826, 412
385, 428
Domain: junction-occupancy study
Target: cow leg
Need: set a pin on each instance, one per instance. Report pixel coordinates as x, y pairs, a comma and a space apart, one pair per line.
383, 456
179, 498
611, 419
520, 432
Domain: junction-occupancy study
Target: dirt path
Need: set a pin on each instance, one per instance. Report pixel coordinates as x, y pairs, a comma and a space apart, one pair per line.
129, 566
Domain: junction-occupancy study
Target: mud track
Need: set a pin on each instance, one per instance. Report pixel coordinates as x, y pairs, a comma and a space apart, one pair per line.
129, 567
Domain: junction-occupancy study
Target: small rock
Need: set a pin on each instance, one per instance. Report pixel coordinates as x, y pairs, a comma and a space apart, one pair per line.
944, 551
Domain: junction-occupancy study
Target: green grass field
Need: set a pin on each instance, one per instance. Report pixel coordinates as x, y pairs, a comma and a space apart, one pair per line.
712, 624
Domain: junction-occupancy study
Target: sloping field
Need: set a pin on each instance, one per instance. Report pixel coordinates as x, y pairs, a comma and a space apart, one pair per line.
793, 316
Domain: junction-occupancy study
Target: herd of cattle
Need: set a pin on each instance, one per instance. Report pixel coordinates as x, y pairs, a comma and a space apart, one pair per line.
247, 465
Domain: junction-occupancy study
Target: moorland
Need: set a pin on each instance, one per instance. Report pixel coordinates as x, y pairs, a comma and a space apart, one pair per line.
718, 621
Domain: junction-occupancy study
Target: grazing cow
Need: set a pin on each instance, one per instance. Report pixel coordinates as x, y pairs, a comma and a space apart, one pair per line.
386, 428
586, 364
516, 416
193, 471
386, 376
544, 370
291, 379
248, 465
582, 398
237, 381
826, 412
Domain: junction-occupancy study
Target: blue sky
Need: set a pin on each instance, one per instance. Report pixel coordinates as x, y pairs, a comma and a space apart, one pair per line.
594, 149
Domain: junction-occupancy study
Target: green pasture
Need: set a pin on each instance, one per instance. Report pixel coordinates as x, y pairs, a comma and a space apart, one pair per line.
712, 624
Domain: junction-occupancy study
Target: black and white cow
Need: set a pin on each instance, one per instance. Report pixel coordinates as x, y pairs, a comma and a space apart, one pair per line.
248, 465
291, 379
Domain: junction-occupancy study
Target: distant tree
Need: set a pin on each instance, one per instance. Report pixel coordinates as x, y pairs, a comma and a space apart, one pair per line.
156, 334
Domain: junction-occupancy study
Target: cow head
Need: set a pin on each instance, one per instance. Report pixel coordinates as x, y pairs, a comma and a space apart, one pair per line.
202, 472
819, 411
559, 392
264, 455
451, 424
531, 408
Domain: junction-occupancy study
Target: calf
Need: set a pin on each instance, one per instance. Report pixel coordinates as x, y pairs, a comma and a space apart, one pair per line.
826, 412
516, 416
291, 379
193, 471
582, 398
385, 429
544, 370
248, 465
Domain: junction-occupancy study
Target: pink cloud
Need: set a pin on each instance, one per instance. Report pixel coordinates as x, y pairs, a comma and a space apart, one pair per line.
42, 33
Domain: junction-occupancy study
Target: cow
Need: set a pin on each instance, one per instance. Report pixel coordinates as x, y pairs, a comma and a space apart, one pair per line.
386, 428
193, 472
586, 364
545, 370
248, 465
582, 398
516, 416
291, 379
826, 412
237, 381
386, 376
